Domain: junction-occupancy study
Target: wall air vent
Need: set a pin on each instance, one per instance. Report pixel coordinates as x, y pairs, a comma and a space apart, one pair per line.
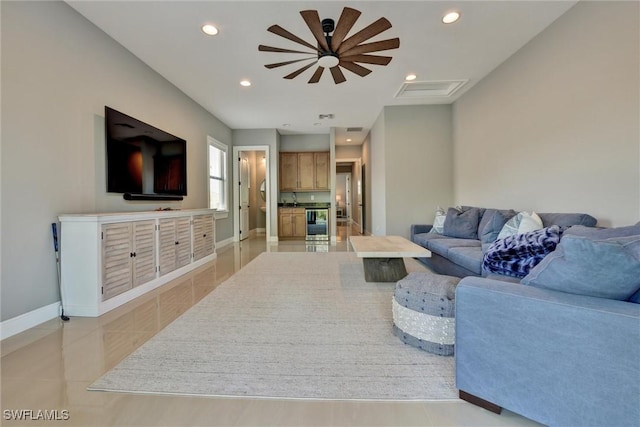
436, 88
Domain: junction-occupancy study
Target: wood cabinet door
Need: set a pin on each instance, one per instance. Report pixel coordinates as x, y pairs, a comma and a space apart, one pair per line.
306, 169
183, 239
203, 239
285, 226
144, 251
167, 245
289, 171
117, 250
299, 224
321, 164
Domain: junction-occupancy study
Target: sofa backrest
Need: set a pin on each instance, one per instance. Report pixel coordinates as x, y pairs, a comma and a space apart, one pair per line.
567, 219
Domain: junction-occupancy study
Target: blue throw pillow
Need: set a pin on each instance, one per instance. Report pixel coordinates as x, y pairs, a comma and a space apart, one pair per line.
462, 224
585, 265
516, 255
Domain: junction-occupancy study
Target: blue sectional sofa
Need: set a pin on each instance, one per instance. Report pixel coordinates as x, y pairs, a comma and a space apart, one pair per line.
462, 257
561, 346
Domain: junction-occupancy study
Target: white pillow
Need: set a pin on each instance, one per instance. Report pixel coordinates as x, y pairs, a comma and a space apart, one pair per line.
521, 223
438, 221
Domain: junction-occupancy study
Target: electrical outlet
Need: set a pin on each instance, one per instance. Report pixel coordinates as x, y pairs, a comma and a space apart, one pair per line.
313, 197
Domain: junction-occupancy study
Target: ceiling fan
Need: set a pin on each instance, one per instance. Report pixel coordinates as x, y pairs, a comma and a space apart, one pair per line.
335, 50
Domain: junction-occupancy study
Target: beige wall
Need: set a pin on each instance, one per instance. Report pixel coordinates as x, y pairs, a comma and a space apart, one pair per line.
411, 166
556, 127
58, 73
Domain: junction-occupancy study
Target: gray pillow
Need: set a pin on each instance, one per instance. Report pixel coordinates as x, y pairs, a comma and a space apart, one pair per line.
493, 227
462, 224
585, 265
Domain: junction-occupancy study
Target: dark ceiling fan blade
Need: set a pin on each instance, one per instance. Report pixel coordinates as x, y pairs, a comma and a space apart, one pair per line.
345, 23
280, 64
338, 76
355, 68
278, 30
316, 76
263, 48
366, 33
373, 47
299, 71
368, 59
312, 19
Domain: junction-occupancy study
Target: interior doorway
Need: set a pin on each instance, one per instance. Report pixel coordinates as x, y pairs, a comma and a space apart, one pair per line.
250, 192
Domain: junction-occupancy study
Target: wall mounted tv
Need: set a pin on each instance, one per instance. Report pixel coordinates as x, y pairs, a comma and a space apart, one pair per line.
143, 162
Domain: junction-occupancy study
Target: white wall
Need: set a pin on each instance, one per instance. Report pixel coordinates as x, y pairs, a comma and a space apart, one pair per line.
376, 179
58, 73
556, 127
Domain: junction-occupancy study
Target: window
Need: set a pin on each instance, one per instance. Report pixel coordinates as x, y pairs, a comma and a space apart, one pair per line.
218, 198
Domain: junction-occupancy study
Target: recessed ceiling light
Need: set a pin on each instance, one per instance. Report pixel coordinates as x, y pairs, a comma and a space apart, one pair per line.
209, 30
348, 139
245, 83
410, 77
451, 17
286, 125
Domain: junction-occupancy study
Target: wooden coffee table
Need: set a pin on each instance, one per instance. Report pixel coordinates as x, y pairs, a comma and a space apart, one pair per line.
382, 256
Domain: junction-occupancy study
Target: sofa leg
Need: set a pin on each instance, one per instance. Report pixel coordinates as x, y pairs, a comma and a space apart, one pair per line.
480, 402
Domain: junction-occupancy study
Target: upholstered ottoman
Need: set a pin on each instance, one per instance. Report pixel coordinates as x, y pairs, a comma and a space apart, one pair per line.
424, 312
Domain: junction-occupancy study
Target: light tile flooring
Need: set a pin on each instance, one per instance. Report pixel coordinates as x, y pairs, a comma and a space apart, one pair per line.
50, 366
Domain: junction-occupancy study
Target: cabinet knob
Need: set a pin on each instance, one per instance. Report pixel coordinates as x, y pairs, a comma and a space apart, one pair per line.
204, 235
177, 243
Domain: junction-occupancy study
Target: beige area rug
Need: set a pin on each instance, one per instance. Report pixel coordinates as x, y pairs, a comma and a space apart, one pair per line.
288, 325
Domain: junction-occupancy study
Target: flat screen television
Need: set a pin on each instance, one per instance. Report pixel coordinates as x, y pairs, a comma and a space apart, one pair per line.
143, 160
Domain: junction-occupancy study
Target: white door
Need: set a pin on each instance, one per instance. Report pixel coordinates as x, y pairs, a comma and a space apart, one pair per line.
348, 196
245, 176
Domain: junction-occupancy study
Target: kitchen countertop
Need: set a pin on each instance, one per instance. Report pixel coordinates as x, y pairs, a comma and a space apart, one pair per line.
305, 205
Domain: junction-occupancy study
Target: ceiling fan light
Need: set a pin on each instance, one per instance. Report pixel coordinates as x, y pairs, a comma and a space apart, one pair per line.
245, 83
410, 77
451, 17
209, 29
328, 61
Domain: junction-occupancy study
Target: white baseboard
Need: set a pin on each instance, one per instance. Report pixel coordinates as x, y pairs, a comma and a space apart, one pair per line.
223, 243
28, 320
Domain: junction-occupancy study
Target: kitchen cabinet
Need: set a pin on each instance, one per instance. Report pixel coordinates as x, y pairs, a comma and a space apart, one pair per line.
304, 171
292, 222
108, 259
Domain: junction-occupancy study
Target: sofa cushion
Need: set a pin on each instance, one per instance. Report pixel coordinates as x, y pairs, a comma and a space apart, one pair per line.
603, 233
425, 239
494, 224
567, 219
523, 222
469, 257
607, 267
516, 255
462, 223
442, 246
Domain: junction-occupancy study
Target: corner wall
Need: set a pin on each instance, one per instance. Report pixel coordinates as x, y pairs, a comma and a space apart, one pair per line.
555, 128
58, 73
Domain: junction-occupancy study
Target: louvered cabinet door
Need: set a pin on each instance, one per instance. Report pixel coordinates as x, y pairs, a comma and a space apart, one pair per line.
144, 252
203, 238
183, 237
117, 250
167, 245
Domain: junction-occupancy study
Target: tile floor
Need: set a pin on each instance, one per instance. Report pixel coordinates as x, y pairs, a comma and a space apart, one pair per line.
49, 367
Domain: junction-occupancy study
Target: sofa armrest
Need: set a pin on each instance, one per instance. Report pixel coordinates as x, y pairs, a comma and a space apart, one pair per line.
557, 358
420, 228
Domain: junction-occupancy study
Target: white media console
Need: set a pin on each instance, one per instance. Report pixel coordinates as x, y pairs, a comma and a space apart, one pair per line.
109, 259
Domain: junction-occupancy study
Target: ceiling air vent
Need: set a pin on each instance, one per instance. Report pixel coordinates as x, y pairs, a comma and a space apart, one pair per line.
440, 88
354, 129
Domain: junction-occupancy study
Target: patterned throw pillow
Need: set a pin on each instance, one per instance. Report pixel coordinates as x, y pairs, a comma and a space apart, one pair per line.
438, 221
516, 255
521, 223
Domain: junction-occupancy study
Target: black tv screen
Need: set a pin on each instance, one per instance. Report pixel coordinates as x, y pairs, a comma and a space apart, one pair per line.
142, 159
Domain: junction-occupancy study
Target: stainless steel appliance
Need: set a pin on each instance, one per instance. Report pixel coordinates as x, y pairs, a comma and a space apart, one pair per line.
317, 223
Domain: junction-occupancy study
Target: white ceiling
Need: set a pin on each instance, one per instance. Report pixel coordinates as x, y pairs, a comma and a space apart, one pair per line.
166, 35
